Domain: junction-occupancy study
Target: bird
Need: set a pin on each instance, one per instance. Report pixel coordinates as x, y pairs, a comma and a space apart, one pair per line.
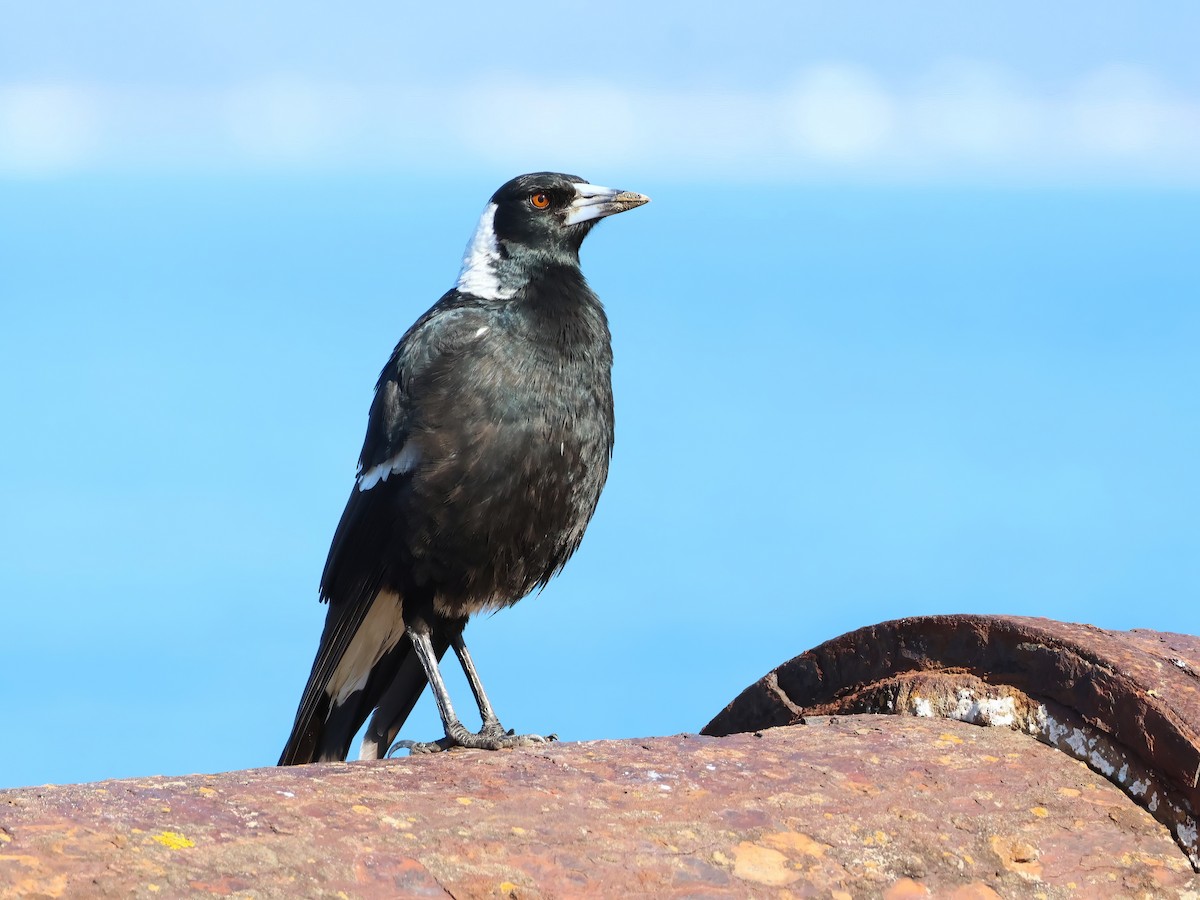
487, 446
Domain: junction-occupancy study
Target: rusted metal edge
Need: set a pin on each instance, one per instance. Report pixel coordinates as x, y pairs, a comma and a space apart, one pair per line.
1125, 703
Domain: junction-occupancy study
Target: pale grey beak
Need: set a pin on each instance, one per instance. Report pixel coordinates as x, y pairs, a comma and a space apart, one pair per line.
594, 202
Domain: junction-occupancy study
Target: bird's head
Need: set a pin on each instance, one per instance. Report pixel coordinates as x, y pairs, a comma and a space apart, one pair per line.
533, 221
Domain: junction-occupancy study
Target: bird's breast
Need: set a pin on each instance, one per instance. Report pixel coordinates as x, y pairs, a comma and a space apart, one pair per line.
510, 474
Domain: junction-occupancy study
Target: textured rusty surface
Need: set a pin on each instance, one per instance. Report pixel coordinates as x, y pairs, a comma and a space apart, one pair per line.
857, 806
1129, 701
1143, 687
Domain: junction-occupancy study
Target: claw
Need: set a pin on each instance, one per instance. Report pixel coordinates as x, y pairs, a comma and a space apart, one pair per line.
485, 739
421, 748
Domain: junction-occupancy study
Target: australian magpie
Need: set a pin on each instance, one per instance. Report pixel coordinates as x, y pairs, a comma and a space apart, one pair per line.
487, 446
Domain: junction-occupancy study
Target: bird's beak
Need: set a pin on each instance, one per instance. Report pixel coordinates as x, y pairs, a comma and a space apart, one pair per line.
594, 202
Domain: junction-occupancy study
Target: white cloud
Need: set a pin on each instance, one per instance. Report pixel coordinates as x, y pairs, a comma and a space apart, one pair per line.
292, 122
972, 110
47, 128
961, 120
515, 121
1124, 111
839, 112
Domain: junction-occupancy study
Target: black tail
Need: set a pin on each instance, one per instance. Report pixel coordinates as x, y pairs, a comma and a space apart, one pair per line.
306, 737
326, 731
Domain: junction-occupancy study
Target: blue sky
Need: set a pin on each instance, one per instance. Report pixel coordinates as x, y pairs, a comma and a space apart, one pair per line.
909, 327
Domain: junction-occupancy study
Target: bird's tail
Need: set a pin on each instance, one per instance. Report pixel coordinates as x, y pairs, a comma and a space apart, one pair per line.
307, 736
324, 730
398, 700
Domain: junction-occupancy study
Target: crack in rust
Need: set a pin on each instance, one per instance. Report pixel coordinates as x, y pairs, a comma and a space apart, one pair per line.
772, 684
1183, 666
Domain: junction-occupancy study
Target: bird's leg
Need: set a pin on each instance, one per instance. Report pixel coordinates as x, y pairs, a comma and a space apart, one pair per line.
491, 723
491, 736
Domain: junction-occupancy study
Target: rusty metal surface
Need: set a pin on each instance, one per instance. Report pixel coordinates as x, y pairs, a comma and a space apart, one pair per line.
1135, 695
1142, 687
859, 806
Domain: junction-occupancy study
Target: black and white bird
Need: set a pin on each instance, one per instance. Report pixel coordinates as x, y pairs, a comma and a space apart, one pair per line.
487, 446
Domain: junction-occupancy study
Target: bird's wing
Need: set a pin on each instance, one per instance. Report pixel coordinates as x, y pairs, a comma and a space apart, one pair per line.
363, 543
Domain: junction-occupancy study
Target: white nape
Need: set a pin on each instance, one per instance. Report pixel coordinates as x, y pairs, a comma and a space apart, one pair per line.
478, 275
404, 461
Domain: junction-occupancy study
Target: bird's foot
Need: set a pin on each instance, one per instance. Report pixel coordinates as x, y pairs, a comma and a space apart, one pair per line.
491, 737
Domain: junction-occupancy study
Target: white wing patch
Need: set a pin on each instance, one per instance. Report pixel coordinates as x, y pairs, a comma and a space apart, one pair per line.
380, 631
404, 461
478, 275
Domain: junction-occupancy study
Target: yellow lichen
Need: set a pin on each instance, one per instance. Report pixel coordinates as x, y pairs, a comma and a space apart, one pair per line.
173, 840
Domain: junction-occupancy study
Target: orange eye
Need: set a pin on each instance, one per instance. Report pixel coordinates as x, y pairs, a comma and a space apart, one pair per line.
539, 201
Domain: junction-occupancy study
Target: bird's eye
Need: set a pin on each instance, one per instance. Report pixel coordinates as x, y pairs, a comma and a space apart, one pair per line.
539, 201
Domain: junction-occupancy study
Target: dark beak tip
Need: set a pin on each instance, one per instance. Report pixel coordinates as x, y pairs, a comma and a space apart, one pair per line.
627, 200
